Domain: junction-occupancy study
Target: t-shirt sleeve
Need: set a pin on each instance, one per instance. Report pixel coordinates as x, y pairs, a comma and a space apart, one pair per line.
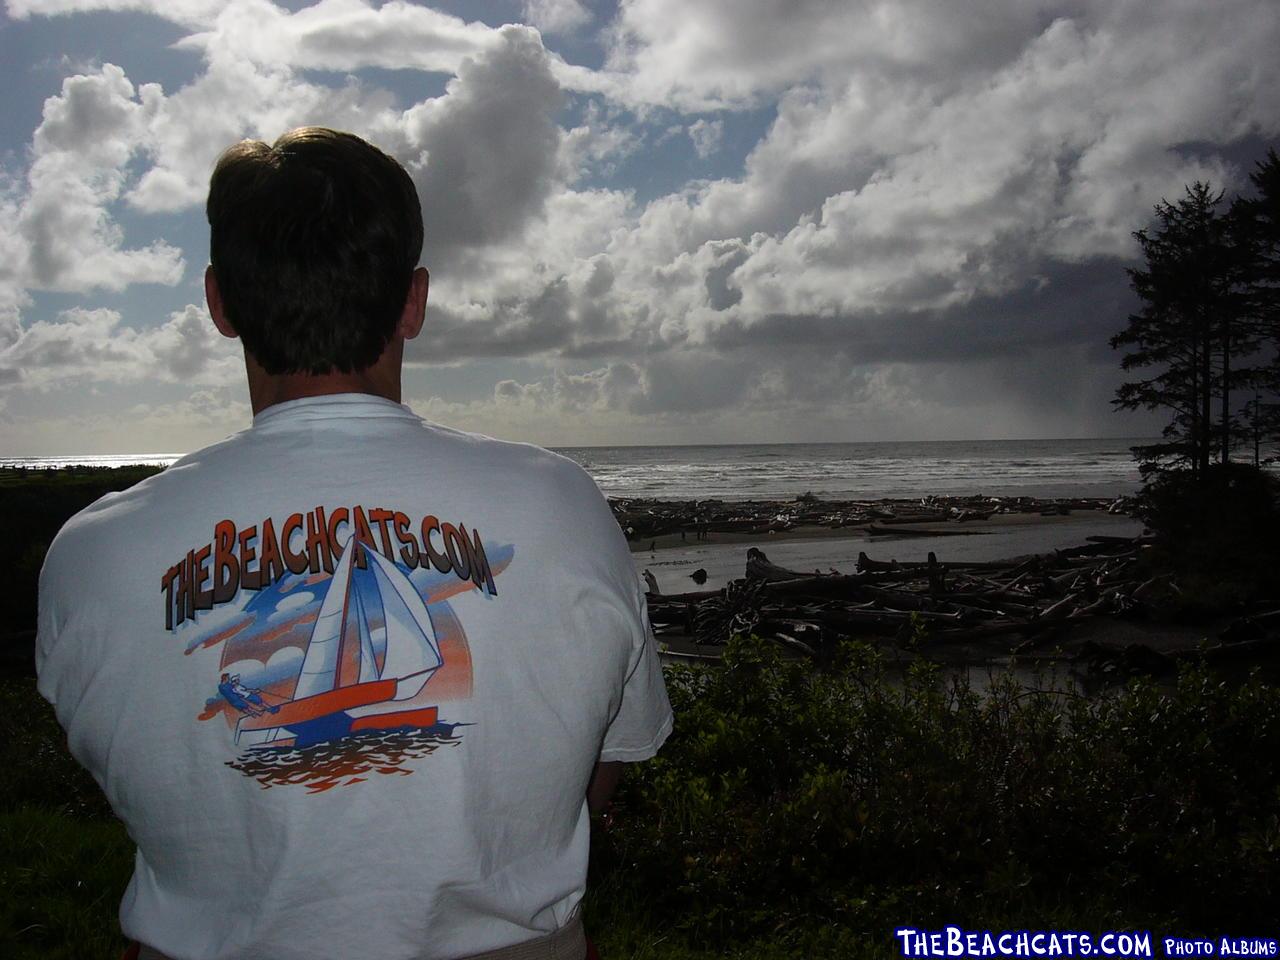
643, 721
46, 630
62, 669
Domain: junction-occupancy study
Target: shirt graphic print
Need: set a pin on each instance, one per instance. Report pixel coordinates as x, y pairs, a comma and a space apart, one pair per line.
341, 657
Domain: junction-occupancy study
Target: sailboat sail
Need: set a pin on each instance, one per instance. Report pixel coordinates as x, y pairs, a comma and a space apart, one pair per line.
319, 671
368, 665
412, 655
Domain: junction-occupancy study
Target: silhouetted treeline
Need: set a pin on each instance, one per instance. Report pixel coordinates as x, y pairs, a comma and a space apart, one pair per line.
35, 503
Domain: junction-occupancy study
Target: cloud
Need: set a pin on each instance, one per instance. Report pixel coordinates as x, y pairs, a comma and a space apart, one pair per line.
205, 624
732, 53
598, 144
757, 394
186, 12
484, 155
706, 136
487, 155
556, 16
290, 604
901, 191
94, 345
343, 35
613, 387
547, 290
63, 237
233, 99
178, 421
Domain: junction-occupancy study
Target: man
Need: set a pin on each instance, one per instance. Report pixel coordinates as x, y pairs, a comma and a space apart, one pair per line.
242, 698
450, 628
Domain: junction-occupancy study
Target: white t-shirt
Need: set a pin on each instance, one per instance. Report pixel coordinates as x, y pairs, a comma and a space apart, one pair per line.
378, 752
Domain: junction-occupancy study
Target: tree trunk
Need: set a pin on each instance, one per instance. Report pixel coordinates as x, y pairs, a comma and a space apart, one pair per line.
1206, 397
1193, 449
1226, 385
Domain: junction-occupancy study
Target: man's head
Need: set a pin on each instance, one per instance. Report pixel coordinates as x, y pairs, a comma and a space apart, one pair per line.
313, 244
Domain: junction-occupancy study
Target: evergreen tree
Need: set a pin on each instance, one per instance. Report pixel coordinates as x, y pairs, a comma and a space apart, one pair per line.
1257, 223
1199, 325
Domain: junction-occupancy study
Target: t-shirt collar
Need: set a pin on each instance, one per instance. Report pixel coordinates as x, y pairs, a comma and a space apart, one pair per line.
332, 405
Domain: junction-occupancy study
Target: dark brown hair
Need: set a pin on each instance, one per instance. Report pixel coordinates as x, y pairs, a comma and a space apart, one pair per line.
313, 241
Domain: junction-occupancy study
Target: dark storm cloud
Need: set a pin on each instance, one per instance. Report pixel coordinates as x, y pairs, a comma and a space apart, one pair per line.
1073, 304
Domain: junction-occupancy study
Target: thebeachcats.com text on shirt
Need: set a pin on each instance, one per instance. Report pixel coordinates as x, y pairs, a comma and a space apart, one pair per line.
951, 942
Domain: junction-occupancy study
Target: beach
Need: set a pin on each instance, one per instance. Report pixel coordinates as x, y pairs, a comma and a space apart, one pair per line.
671, 558
996, 583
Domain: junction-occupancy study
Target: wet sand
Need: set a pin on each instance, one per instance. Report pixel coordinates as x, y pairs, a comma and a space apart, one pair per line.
723, 555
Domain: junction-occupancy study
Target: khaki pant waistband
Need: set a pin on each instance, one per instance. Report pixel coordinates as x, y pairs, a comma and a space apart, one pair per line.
567, 943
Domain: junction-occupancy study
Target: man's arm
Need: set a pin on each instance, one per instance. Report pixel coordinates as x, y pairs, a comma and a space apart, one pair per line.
604, 780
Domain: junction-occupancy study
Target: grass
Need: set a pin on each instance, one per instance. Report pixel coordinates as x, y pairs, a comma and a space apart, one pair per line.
61, 884
64, 859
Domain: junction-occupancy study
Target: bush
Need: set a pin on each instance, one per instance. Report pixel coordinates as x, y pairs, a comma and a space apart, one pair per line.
35, 505
1221, 536
846, 801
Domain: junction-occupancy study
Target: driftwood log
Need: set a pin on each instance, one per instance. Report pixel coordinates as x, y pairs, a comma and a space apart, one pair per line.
645, 520
1017, 604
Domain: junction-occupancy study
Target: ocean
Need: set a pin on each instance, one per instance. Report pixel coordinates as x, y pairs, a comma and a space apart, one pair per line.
852, 471
833, 471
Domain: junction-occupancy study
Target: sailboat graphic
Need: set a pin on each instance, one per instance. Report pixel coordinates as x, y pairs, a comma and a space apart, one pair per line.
341, 687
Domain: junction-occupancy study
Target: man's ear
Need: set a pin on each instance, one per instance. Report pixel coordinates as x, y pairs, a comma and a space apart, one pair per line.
214, 298
415, 305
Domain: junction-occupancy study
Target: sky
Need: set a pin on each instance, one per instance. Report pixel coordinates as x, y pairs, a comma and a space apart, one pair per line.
647, 221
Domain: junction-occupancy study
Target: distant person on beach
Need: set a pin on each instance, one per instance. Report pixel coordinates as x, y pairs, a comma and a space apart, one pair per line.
452, 627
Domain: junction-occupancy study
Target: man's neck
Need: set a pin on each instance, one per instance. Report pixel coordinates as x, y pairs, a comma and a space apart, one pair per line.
382, 379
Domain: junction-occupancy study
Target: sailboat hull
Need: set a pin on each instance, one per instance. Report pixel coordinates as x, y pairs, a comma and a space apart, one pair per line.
333, 726
324, 717
297, 712
397, 719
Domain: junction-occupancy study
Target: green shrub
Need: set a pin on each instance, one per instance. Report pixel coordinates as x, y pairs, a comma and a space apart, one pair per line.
848, 801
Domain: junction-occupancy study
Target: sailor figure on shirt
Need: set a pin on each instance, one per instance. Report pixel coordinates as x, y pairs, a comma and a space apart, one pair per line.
243, 698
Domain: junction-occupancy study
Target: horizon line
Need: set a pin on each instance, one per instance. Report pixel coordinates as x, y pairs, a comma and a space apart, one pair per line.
7, 459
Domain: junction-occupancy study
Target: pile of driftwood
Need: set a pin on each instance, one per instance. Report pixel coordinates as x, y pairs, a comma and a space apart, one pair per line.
1003, 606
649, 519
